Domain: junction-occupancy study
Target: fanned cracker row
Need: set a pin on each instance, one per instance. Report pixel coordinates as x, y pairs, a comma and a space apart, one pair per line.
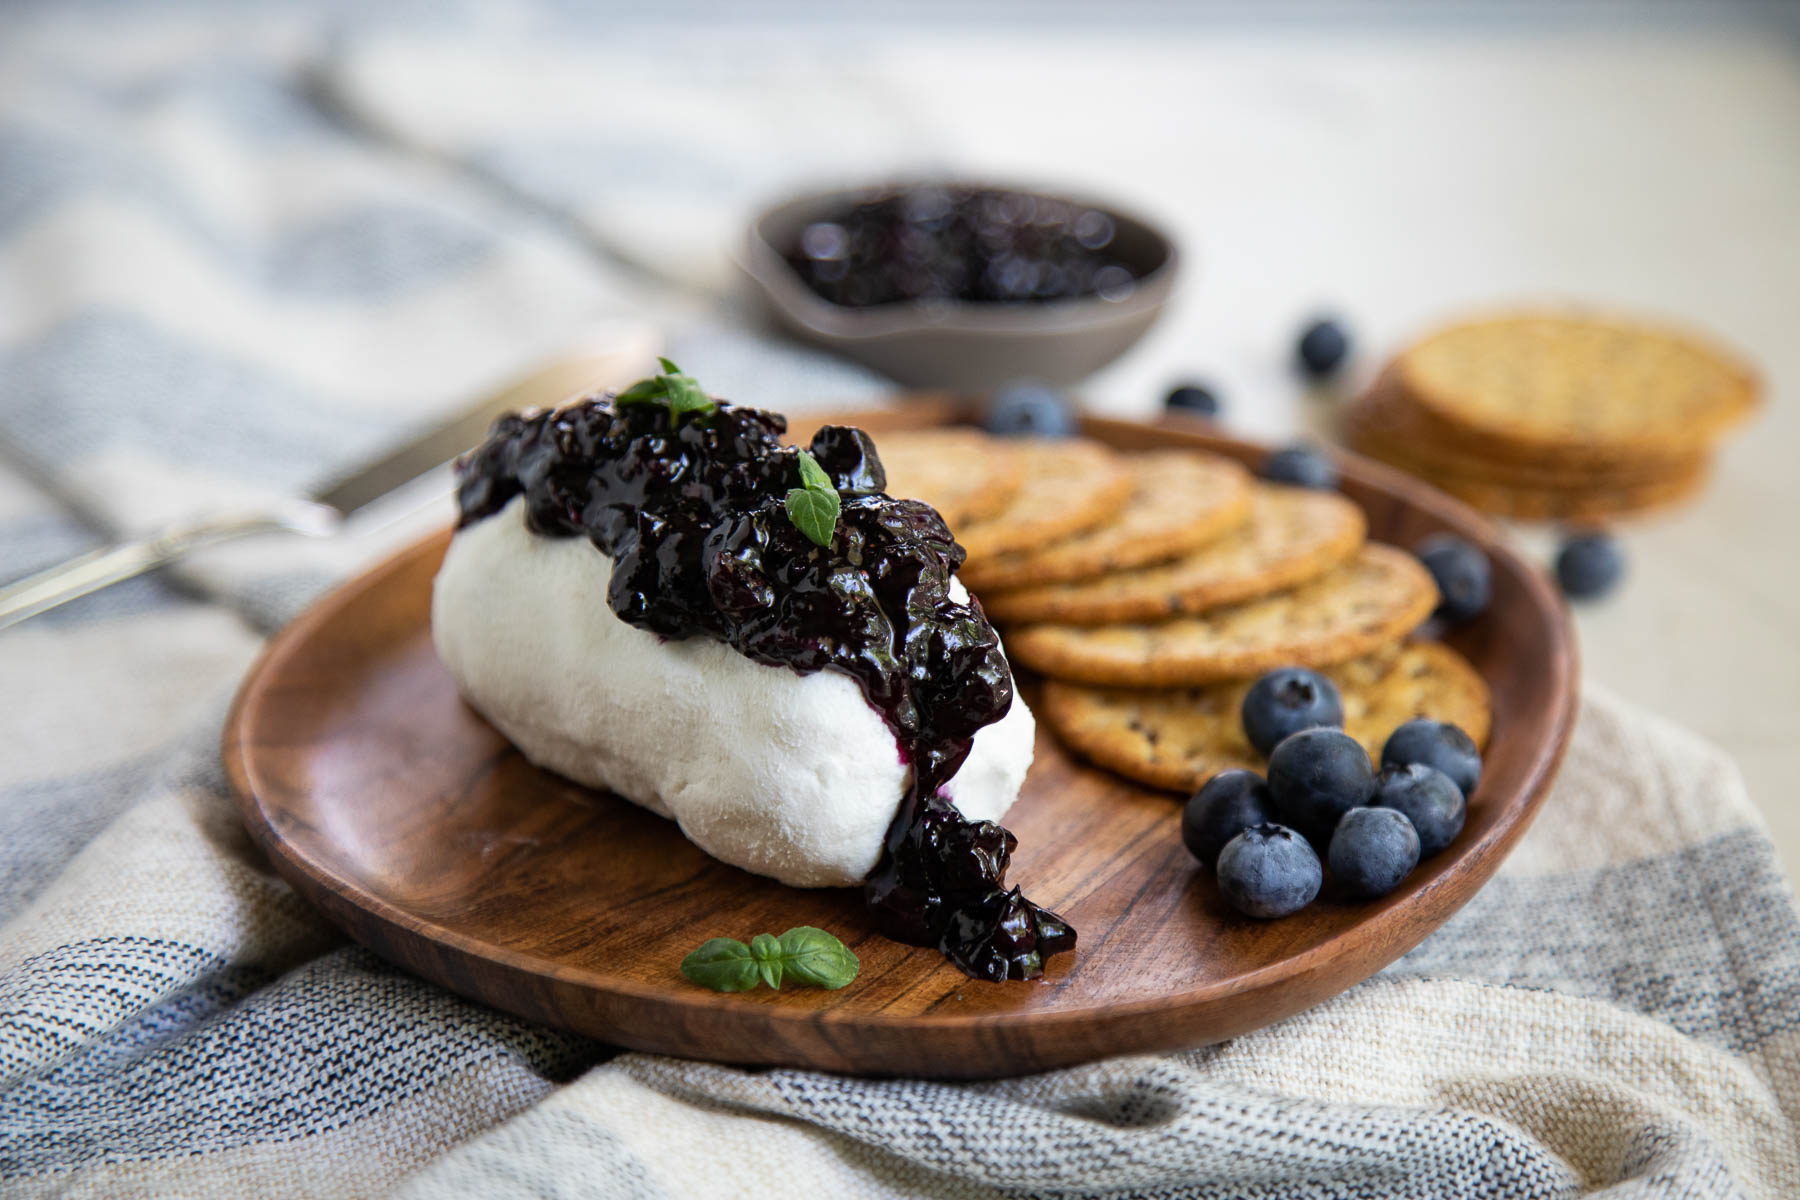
1179, 738
1181, 500
1068, 485
1292, 535
1374, 599
962, 473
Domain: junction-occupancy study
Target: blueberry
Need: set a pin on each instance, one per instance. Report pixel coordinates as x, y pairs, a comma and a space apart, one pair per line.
1286, 701
1302, 465
1192, 398
1226, 805
1269, 871
1464, 576
1315, 777
1434, 744
1429, 798
1322, 348
1031, 410
1588, 565
1372, 850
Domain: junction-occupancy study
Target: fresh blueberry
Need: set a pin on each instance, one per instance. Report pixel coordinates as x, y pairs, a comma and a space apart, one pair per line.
1589, 565
1429, 798
1192, 398
1322, 348
1269, 871
1226, 805
1029, 410
1464, 577
1302, 465
1286, 701
1372, 850
1315, 777
1434, 744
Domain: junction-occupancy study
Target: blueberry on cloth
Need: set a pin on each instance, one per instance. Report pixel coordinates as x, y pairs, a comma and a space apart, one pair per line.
1192, 398
1589, 565
1029, 410
1322, 348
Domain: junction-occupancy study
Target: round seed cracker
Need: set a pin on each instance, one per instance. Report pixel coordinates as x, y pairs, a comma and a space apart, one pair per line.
1574, 387
1181, 501
964, 474
1292, 535
1180, 738
1377, 597
1068, 485
1384, 425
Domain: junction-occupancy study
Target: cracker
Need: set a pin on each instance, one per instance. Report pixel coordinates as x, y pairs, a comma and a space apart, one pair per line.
1574, 388
1068, 485
964, 474
1291, 536
1375, 598
1181, 501
1180, 738
1384, 425
1526, 503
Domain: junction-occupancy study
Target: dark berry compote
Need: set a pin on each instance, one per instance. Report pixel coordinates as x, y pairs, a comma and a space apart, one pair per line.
689, 503
935, 243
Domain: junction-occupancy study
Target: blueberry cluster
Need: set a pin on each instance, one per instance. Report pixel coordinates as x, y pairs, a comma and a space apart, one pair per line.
1264, 837
960, 243
690, 511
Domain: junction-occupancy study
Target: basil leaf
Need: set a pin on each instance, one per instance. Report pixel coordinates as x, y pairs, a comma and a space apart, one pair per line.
668, 367
813, 513
685, 396
812, 475
644, 391
722, 964
815, 957
766, 949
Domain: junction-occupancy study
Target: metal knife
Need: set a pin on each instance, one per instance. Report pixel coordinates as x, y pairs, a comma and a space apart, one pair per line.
325, 512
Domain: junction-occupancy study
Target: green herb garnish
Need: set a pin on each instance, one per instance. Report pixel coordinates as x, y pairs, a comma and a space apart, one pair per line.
673, 389
804, 954
813, 506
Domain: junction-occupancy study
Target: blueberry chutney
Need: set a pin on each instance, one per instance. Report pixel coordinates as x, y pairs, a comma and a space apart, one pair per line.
689, 508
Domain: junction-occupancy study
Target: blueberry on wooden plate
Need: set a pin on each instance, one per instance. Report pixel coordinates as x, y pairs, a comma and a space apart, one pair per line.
1372, 850
1315, 777
1463, 575
1284, 702
1192, 398
1429, 798
1301, 465
1226, 805
1269, 871
1589, 565
1029, 410
1322, 348
1435, 744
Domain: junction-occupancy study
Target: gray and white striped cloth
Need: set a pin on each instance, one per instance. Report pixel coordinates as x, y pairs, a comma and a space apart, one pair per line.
237, 255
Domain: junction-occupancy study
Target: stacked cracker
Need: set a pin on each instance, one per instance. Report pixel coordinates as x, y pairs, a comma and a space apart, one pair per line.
1151, 589
1544, 416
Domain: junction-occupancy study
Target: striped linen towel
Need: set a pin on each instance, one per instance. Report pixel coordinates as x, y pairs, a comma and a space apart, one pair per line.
214, 279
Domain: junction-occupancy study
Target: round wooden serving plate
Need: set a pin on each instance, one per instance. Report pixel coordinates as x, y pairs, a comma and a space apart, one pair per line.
398, 811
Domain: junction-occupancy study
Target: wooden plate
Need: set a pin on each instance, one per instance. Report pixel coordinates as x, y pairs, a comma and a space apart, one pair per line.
406, 818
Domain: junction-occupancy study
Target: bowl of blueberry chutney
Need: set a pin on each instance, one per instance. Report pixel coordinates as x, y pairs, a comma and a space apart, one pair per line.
961, 286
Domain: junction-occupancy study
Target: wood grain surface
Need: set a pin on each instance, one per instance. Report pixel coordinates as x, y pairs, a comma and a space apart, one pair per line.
416, 827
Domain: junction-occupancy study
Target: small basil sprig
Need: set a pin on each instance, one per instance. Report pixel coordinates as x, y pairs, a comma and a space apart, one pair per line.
804, 954
673, 389
813, 506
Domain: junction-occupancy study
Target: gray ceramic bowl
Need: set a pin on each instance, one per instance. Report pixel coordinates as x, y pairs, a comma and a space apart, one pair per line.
962, 345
